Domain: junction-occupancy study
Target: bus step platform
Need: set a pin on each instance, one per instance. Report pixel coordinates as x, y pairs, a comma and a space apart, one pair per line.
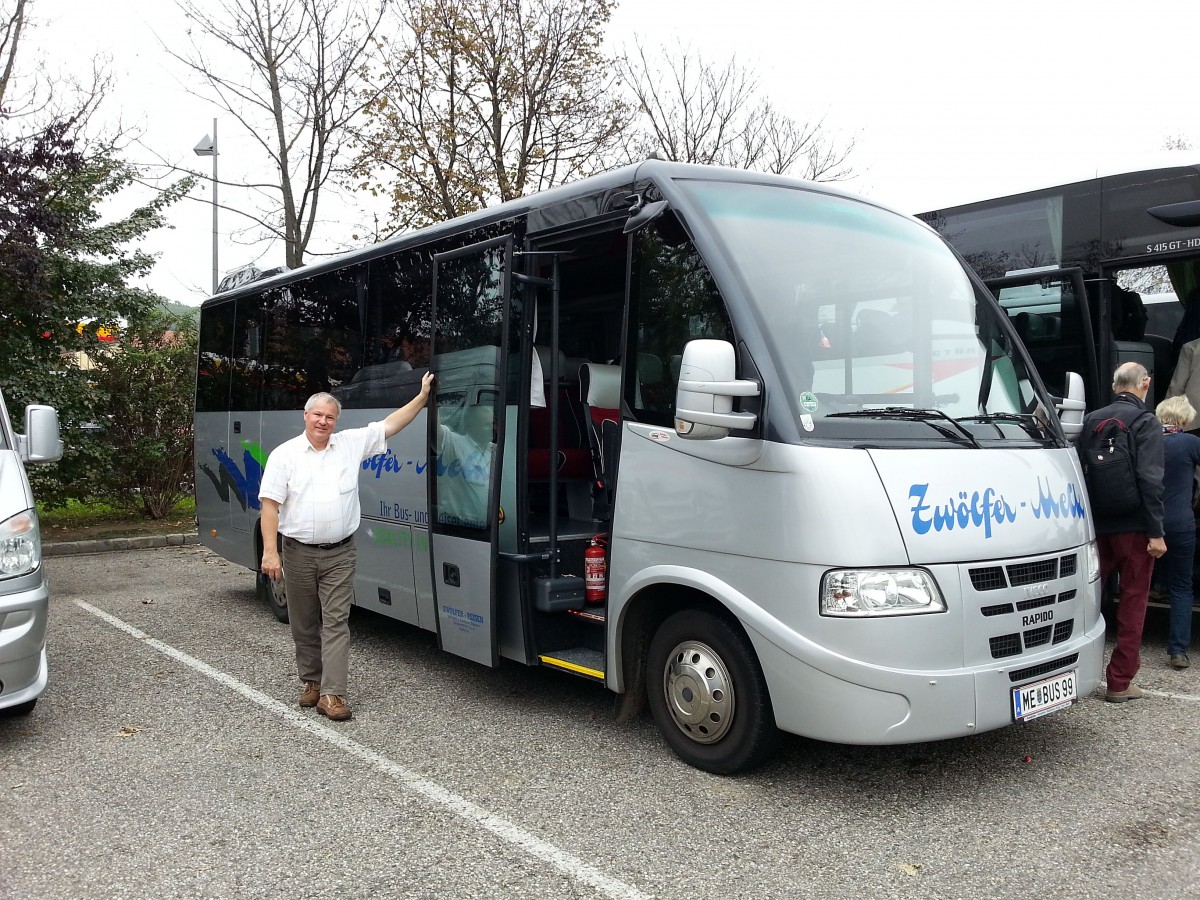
579, 661
588, 614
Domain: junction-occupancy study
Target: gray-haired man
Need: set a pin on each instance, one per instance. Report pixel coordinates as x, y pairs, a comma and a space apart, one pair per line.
309, 495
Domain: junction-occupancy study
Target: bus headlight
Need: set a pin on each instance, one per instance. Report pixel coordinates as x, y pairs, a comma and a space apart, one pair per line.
1093, 558
879, 592
20, 546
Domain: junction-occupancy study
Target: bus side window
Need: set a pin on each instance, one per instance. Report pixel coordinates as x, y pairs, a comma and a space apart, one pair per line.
673, 300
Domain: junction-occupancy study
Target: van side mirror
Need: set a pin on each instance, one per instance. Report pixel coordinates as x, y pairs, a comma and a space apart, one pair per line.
707, 386
40, 443
1072, 407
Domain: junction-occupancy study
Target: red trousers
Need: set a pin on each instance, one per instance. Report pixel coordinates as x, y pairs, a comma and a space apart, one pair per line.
1126, 554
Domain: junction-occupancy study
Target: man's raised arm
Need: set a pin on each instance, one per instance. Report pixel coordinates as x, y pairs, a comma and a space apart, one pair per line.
405, 414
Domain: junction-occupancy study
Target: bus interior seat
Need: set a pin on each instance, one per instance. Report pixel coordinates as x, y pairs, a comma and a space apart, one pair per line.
600, 388
574, 459
1030, 327
872, 333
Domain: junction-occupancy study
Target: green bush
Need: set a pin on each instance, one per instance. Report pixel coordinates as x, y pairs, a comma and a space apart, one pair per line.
144, 389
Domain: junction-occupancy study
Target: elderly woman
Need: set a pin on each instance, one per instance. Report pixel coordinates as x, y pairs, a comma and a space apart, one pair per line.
1181, 456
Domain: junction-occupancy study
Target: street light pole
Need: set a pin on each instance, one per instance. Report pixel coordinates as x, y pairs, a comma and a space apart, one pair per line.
208, 147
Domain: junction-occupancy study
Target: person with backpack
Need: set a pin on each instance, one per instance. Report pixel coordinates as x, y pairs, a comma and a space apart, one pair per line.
1181, 456
1121, 449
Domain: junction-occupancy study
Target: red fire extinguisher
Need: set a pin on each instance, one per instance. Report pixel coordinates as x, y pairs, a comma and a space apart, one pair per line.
594, 571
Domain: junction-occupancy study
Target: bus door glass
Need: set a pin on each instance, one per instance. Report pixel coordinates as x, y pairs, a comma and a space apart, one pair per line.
466, 425
1049, 309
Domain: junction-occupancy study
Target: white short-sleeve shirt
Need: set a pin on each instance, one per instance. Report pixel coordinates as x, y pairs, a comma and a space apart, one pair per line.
317, 490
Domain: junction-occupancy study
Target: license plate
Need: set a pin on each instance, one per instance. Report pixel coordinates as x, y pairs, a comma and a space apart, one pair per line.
1032, 700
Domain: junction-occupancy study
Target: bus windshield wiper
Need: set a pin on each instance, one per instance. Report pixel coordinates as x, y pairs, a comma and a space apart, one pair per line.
1028, 422
931, 417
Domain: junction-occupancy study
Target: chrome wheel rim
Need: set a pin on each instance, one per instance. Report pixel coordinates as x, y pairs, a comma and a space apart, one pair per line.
278, 592
699, 692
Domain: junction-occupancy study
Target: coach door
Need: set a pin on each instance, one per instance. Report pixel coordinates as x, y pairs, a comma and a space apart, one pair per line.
466, 426
1049, 309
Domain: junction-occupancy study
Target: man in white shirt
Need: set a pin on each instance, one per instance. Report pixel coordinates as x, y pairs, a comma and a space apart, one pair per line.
309, 495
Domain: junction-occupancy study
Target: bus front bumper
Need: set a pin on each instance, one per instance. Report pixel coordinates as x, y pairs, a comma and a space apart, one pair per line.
866, 704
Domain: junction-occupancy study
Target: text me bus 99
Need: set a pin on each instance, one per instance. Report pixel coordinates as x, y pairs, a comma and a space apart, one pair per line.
794, 443
1093, 273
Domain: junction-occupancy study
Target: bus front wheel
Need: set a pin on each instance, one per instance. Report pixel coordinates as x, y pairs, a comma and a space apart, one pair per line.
274, 594
708, 695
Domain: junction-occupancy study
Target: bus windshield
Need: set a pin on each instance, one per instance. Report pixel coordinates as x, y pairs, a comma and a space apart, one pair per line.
867, 311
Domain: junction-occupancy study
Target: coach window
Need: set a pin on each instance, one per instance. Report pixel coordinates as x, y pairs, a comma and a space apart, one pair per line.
314, 341
673, 300
398, 308
216, 359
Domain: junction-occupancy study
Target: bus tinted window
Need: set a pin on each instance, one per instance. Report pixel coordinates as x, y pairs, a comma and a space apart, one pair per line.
673, 300
313, 338
398, 309
215, 359
1026, 234
245, 386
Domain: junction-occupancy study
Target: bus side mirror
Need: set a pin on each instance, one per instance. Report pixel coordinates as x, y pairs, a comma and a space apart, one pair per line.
40, 443
1072, 407
704, 395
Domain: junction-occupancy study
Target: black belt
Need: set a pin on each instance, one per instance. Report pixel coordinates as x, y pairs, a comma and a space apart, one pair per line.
332, 546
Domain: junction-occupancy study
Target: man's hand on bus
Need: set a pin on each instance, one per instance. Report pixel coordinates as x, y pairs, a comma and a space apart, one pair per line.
1157, 547
396, 422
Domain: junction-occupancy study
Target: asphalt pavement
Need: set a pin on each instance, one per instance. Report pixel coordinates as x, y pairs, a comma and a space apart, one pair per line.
168, 759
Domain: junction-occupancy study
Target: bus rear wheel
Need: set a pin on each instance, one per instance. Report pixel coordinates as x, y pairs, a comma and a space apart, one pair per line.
708, 695
274, 594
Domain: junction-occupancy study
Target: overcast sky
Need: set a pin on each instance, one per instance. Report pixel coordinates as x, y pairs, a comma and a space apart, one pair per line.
947, 102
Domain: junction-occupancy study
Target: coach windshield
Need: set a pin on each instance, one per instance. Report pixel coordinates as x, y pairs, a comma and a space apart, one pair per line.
872, 321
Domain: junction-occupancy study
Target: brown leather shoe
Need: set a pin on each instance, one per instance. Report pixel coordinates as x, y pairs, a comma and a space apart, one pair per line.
334, 707
312, 693
1133, 692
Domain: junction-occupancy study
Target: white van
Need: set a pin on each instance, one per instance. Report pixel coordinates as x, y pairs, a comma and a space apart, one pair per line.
24, 595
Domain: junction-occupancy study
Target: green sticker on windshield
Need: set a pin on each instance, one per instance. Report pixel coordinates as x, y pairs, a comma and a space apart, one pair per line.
808, 401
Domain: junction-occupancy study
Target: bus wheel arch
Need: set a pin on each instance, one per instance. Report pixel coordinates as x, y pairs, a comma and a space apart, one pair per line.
701, 678
272, 593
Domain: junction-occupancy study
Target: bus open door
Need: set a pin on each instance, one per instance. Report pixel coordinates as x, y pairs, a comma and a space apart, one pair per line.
466, 427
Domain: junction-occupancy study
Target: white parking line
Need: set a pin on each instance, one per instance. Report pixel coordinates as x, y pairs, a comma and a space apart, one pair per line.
569, 865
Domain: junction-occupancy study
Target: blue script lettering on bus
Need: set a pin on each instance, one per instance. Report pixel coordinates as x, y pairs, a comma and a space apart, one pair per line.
390, 462
987, 508
1066, 505
979, 509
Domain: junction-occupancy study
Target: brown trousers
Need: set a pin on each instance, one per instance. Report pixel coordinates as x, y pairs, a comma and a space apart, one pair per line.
320, 592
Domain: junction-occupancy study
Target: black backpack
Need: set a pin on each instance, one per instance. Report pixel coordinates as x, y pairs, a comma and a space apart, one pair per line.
1109, 457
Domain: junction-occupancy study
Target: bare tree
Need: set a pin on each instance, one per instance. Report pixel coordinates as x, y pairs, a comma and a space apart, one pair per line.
28, 92
485, 100
296, 91
695, 112
12, 23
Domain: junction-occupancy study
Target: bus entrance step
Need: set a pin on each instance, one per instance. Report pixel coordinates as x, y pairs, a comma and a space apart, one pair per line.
588, 614
578, 661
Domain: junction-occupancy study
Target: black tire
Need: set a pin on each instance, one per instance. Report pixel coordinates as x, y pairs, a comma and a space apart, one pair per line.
708, 695
274, 594
21, 709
